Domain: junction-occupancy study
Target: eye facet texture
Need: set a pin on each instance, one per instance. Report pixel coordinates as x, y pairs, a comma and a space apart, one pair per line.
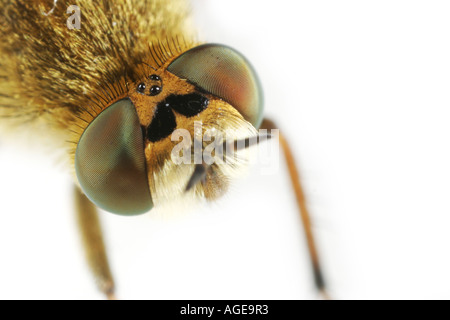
110, 161
225, 73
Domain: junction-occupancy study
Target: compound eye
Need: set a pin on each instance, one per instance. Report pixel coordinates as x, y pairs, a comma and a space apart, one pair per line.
110, 161
225, 73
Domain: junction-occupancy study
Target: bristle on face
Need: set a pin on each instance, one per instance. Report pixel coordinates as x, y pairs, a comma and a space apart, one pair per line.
67, 77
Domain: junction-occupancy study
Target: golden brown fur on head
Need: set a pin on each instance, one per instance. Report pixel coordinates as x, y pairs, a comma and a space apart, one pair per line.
48, 70
66, 77
168, 180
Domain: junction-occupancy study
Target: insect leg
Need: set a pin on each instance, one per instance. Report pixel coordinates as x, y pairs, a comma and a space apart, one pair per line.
94, 247
301, 202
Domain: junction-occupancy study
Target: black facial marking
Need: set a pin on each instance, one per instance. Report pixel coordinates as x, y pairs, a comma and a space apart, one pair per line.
188, 105
163, 123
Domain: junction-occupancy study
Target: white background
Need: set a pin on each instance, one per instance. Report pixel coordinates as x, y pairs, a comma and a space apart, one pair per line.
361, 89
